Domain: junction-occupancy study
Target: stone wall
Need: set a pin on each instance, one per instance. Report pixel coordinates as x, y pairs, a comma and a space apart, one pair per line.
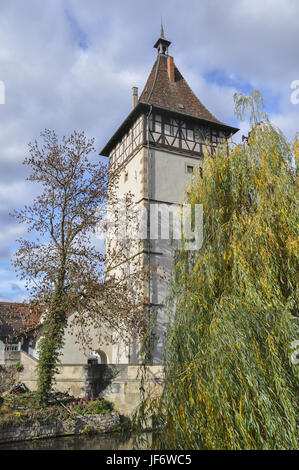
122, 385
102, 423
10, 358
71, 377
119, 383
28, 374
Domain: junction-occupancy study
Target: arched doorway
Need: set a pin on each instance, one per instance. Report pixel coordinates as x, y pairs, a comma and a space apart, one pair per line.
97, 357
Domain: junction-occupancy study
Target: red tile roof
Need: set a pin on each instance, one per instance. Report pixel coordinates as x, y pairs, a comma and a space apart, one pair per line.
160, 91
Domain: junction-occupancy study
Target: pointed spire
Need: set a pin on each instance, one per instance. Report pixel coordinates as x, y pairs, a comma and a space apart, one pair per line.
162, 43
162, 31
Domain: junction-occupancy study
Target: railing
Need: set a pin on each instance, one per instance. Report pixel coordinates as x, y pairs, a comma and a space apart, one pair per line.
11, 347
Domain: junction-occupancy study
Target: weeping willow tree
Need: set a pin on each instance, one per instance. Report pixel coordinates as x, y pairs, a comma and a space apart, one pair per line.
230, 382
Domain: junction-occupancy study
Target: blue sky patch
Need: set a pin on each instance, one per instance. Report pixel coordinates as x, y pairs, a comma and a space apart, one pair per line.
78, 33
223, 79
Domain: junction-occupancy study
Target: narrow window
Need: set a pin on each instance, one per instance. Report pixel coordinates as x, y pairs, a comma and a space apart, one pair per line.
152, 123
168, 126
189, 169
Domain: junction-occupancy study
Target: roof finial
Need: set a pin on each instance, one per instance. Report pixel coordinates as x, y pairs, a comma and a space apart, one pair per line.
162, 30
162, 43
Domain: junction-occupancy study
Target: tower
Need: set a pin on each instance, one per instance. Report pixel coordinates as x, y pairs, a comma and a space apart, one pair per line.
155, 151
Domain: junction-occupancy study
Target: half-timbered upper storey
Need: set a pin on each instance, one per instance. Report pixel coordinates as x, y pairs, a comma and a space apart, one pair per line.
168, 115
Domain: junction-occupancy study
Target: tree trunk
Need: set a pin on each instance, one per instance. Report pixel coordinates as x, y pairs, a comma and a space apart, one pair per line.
51, 344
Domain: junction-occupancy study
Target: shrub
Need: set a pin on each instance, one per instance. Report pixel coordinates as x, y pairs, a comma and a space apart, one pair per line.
94, 407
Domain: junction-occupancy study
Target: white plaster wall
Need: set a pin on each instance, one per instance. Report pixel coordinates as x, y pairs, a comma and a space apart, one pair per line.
168, 177
77, 353
168, 182
133, 183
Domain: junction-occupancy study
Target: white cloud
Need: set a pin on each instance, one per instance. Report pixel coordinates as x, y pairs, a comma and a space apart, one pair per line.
12, 290
288, 123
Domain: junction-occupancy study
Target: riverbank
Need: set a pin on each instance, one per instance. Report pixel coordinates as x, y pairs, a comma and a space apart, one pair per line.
100, 424
22, 420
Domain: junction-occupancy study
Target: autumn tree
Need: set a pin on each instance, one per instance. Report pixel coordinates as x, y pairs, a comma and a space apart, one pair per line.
230, 381
65, 273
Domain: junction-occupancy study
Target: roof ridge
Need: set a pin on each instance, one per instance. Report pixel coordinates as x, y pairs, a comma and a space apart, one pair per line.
157, 63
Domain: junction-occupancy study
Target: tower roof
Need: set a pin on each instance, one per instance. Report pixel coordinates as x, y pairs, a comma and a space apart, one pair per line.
174, 96
167, 90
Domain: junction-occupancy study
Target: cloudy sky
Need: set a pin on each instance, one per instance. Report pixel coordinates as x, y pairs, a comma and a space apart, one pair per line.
70, 64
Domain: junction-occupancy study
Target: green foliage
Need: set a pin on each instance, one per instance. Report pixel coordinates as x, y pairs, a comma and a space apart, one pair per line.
19, 367
229, 380
125, 426
50, 345
108, 375
19, 410
254, 102
94, 407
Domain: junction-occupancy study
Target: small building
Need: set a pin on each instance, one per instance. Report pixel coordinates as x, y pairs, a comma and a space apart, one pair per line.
15, 331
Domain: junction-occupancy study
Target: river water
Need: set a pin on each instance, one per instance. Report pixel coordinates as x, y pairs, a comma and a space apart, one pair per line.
108, 442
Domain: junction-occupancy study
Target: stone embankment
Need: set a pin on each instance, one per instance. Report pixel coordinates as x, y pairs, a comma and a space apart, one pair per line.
102, 423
